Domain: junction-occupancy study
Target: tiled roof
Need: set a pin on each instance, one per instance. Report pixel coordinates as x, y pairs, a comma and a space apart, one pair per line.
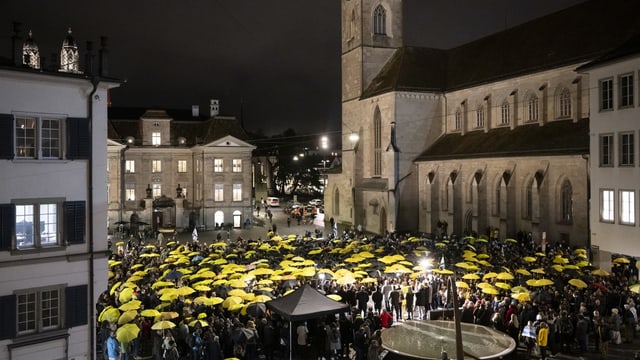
196, 130
579, 33
561, 137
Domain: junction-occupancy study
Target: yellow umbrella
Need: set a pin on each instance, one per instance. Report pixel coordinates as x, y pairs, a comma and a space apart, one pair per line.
544, 282
529, 259
163, 324
127, 316
202, 288
621, 260
523, 296
578, 283
235, 307
203, 323
635, 288
125, 295
261, 298
166, 315
237, 292
127, 333
231, 300
519, 289
462, 284
523, 272
538, 271
114, 287
150, 312
490, 291
503, 285
213, 301
335, 297
489, 275
131, 305
109, 314
239, 284
599, 272
483, 285
444, 272
185, 290
368, 280
504, 276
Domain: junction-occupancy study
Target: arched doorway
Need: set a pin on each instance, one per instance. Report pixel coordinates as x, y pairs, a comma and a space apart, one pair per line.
218, 218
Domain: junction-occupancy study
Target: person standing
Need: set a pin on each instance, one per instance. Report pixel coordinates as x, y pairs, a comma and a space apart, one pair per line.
543, 338
363, 298
302, 333
376, 297
113, 348
395, 296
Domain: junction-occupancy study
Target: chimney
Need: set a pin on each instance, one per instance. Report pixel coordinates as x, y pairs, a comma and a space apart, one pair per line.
88, 59
214, 108
195, 111
104, 57
16, 51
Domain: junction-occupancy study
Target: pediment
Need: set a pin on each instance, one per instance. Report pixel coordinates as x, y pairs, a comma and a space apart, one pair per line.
229, 141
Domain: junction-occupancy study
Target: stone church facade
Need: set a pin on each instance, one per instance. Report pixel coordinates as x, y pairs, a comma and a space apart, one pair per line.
490, 135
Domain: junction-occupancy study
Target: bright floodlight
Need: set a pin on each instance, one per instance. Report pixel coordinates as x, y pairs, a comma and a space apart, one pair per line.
354, 137
324, 142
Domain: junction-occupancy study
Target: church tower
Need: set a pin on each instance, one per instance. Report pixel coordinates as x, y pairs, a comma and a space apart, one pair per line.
371, 31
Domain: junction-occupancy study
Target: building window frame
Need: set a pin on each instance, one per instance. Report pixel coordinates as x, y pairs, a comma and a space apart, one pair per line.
627, 148
607, 206
182, 166
505, 113
627, 207
38, 136
130, 166
156, 166
39, 309
626, 90
130, 192
606, 147
156, 138
606, 94
458, 120
237, 165
156, 190
45, 216
379, 20
218, 192
564, 104
218, 165
533, 108
237, 192
480, 117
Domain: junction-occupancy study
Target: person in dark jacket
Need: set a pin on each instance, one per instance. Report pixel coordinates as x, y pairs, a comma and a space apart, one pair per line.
409, 297
376, 297
363, 298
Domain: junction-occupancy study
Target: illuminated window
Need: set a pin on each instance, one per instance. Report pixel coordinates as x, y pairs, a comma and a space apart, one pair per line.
182, 166
130, 166
157, 190
217, 165
237, 165
218, 192
627, 207
607, 206
606, 94
379, 19
155, 138
237, 192
38, 138
156, 166
36, 225
38, 310
626, 90
130, 192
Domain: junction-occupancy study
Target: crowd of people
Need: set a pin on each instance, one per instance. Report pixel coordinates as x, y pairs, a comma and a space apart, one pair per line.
392, 286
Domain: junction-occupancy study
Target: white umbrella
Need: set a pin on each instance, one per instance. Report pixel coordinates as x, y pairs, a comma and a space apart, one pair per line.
194, 234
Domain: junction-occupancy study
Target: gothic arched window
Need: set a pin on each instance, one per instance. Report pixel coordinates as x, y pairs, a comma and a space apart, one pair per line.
566, 202
564, 103
377, 143
458, 120
505, 111
480, 116
379, 20
532, 108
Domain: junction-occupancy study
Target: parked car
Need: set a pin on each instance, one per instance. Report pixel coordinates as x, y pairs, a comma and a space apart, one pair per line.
315, 202
273, 201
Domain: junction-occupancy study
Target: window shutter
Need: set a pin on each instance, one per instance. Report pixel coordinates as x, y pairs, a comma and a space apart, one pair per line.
8, 317
76, 306
74, 221
78, 139
6, 136
7, 226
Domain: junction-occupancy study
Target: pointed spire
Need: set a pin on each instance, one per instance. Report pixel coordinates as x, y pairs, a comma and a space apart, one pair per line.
31, 53
69, 56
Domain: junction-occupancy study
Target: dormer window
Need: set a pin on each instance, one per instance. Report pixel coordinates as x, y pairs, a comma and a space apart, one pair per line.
155, 138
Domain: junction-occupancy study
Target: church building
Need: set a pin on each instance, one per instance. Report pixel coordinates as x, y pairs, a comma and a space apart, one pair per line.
487, 138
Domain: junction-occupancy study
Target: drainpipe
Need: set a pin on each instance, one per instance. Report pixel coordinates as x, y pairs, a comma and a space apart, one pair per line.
92, 300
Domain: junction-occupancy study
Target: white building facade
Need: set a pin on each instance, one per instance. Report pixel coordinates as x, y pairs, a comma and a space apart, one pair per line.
53, 206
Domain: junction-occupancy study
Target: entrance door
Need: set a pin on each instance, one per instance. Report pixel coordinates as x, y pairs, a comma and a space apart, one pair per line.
237, 219
157, 220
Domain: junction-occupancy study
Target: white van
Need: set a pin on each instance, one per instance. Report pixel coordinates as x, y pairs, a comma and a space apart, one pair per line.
273, 201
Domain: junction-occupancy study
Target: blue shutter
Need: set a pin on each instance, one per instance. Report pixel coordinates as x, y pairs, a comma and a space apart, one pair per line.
8, 317
74, 221
7, 226
78, 139
76, 306
6, 136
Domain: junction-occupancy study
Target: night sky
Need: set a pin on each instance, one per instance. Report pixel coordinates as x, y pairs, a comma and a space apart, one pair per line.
275, 62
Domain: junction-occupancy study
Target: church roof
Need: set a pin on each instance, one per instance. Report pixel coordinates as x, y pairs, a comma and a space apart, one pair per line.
578, 33
629, 48
125, 122
562, 137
